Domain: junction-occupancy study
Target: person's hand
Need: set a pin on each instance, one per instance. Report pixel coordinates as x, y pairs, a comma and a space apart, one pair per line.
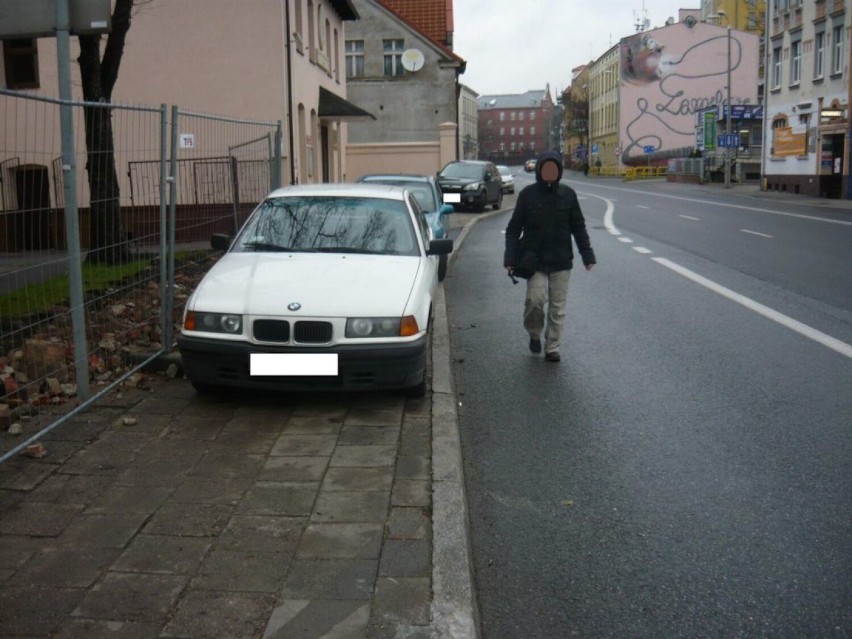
589, 267
510, 268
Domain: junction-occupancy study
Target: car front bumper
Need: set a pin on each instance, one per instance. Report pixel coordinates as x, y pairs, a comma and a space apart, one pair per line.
210, 362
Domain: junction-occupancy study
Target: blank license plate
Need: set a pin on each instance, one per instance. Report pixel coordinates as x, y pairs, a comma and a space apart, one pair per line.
294, 364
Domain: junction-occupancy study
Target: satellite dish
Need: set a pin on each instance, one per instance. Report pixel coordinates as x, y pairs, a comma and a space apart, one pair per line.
412, 60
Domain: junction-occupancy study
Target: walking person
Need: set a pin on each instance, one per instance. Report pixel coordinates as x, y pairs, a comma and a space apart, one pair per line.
539, 247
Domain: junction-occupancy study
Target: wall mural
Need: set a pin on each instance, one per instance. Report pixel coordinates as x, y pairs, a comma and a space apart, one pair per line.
670, 74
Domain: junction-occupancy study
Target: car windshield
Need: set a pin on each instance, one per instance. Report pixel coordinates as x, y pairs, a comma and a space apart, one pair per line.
504, 170
332, 224
462, 170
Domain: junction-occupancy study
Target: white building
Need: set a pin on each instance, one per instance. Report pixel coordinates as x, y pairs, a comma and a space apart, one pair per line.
807, 97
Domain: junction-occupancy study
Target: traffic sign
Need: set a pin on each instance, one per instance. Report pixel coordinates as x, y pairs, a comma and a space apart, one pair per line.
727, 140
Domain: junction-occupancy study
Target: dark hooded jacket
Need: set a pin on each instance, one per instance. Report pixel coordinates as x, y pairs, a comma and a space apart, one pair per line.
546, 216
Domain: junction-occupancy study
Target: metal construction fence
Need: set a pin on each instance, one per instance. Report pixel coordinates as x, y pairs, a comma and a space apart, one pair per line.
92, 291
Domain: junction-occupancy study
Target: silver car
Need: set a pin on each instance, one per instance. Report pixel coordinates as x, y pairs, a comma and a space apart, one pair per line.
506, 178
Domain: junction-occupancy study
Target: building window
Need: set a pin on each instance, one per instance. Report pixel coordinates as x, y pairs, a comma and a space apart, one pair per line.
532, 130
532, 145
502, 116
512, 116
776, 67
512, 147
521, 131
837, 49
819, 54
532, 115
795, 62
354, 58
521, 116
393, 57
502, 131
512, 132
20, 59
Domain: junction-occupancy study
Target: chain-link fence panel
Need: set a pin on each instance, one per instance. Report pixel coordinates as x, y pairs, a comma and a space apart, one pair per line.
116, 266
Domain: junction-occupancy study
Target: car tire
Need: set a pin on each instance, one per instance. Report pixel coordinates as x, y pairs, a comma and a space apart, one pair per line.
479, 207
442, 267
417, 391
496, 206
205, 389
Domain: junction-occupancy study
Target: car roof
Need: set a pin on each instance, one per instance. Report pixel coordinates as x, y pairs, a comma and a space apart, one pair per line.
345, 189
402, 177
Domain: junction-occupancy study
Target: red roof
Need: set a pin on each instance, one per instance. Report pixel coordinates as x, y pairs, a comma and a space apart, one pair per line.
433, 18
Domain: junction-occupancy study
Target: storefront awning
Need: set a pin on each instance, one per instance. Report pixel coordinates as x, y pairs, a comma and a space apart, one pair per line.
336, 108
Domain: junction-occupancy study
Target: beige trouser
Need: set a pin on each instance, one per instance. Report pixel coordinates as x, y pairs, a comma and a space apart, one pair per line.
552, 289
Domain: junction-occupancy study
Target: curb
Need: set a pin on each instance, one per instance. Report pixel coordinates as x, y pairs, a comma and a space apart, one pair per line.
454, 607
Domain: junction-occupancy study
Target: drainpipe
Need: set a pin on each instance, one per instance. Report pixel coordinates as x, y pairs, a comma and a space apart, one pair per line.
289, 40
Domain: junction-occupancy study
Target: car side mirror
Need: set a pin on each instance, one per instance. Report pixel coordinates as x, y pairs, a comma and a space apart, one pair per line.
440, 247
221, 241
446, 209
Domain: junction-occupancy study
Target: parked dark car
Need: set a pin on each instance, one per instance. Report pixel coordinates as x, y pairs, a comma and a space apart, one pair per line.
472, 184
428, 194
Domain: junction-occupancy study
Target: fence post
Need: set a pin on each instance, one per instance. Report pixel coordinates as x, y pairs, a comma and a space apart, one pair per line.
170, 229
165, 320
275, 182
72, 222
235, 191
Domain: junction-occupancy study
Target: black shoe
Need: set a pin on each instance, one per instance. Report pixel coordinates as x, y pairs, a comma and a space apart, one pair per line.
535, 345
552, 357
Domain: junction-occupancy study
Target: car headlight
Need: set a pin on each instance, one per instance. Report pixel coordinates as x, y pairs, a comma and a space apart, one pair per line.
472, 187
381, 326
213, 322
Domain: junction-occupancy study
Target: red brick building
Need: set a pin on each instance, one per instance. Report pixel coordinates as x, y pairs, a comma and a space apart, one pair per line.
514, 128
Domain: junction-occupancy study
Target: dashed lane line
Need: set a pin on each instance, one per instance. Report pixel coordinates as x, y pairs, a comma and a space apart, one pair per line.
833, 343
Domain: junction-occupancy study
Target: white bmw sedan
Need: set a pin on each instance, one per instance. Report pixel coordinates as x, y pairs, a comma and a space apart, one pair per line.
326, 287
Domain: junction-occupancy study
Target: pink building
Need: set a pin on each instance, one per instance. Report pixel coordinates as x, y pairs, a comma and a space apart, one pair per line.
668, 76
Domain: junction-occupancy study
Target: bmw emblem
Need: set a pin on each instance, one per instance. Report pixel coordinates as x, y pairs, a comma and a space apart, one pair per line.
293, 306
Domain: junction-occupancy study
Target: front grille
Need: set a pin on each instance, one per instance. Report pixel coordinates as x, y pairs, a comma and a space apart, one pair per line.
271, 330
312, 332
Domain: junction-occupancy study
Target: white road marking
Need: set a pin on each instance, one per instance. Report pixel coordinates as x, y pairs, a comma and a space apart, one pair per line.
639, 206
803, 329
610, 207
626, 240
642, 249
689, 217
756, 233
730, 206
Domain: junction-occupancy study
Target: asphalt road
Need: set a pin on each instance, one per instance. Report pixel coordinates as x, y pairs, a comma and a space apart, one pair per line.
685, 470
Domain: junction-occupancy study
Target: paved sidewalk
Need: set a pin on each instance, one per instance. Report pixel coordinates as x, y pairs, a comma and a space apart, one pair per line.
163, 513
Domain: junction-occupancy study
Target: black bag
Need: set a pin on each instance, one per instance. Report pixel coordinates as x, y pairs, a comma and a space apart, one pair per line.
526, 266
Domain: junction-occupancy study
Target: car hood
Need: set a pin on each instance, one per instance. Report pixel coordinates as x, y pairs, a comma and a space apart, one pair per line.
325, 285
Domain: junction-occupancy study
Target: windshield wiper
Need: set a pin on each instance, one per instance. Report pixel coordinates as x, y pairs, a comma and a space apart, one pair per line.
348, 249
266, 246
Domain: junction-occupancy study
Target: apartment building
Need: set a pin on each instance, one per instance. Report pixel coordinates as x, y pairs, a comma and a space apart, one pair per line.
806, 147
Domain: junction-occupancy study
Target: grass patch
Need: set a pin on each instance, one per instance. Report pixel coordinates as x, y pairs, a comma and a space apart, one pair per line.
34, 298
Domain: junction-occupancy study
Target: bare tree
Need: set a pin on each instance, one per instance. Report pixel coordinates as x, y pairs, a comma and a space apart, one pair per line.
98, 74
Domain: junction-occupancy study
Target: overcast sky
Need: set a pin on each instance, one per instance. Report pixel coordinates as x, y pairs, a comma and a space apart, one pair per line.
514, 46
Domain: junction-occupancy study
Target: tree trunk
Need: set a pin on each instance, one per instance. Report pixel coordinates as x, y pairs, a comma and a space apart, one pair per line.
107, 242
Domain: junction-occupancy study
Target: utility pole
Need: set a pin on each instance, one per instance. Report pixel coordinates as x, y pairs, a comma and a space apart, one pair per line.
728, 117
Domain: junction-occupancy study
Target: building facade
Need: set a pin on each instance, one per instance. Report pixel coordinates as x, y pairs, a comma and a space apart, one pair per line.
468, 118
400, 68
256, 59
514, 128
806, 147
